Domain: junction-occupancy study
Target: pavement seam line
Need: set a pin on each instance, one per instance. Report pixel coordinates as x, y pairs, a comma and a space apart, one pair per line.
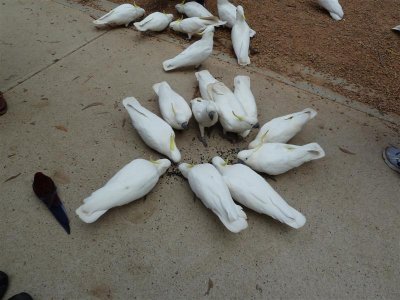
54, 62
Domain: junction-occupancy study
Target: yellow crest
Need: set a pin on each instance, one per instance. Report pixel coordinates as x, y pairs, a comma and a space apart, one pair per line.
240, 118
264, 136
172, 142
153, 161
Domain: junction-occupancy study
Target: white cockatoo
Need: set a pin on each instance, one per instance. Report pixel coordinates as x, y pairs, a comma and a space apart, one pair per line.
156, 21
154, 131
132, 182
243, 93
205, 112
277, 158
193, 9
195, 54
240, 35
174, 108
121, 15
282, 129
195, 25
227, 12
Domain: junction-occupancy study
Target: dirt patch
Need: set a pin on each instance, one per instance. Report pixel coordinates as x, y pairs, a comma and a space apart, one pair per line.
360, 50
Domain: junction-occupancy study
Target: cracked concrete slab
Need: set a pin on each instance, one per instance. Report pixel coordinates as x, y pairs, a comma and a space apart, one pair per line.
169, 245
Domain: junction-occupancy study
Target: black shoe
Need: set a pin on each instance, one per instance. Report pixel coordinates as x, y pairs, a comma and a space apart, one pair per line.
3, 104
3, 284
21, 296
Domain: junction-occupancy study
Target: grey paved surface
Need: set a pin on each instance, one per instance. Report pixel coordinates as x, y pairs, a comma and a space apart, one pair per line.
168, 245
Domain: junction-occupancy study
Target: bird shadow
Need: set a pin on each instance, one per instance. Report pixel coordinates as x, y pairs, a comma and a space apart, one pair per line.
233, 138
267, 220
185, 69
318, 8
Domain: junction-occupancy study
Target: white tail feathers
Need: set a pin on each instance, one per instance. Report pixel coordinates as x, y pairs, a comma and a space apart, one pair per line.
99, 23
168, 65
296, 220
139, 26
244, 61
245, 133
156, 86
216, 20
130, 101
103, 21
314, 150
242, 78
89, 218
206, 75
335, 16
236, 226
235, 221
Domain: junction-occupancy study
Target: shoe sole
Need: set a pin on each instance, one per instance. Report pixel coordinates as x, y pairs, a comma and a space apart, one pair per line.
388, 162
3, 109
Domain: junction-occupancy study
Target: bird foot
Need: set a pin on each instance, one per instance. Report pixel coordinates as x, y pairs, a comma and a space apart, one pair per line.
203, 141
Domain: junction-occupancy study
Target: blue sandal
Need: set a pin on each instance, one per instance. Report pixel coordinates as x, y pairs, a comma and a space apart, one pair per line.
391, 156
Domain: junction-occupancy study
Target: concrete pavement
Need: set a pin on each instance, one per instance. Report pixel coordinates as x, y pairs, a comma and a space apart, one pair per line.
169, 245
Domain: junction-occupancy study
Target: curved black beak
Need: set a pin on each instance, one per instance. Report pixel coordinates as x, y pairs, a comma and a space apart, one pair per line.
257, 125
185, 125
211, 114
241, 161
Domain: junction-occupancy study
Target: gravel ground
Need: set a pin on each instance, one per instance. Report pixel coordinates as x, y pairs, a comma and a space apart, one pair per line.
361, 50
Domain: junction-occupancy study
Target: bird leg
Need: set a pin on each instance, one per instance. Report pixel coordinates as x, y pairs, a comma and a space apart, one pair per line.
201, 131
202, 139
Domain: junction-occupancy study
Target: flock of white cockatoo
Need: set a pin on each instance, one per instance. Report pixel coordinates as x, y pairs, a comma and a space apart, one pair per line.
217, 184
